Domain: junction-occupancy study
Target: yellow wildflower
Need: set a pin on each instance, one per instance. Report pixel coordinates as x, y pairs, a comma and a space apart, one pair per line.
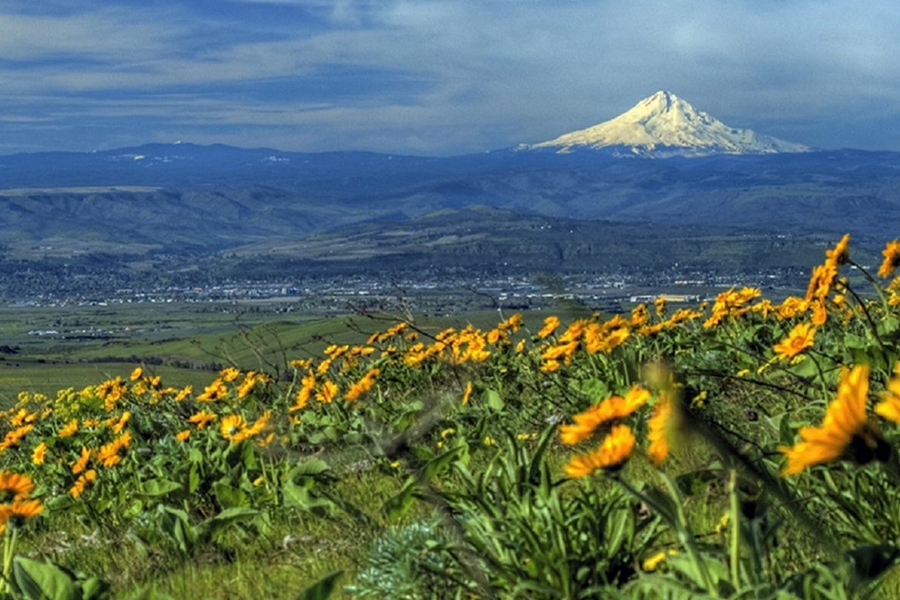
551, 323
229, 374
891, 261
845, 431
39, 454
614, 407
799, 339
612, 454
69, 429
467, 394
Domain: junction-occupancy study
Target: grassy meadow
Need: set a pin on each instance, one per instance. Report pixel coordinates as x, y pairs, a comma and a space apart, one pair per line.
742, 448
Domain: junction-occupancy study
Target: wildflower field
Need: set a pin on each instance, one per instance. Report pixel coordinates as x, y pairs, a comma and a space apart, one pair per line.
742, 448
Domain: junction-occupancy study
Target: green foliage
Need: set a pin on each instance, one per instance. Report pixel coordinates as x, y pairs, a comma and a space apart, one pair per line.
526, 536
321, 590
408, 563
34, 580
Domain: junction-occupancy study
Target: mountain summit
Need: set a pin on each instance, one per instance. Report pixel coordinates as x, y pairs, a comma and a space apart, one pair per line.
665, 125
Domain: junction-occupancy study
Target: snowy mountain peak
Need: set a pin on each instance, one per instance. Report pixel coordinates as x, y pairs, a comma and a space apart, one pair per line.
665, 125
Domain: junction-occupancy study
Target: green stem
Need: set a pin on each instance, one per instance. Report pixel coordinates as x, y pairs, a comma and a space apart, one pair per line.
874, 283
9, 548
735, 532
686, 538
872, 325
825, 391
678, 522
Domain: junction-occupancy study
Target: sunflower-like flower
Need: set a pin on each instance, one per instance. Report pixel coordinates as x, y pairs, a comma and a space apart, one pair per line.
82, 482
14, 486
39, 454
231, 425
214, 391
819, 313
202, 419
119, 425
229, 374
19, 511
840, 254
467, 394
639, 315
821, 281
845, 433
111, 454
249, 431
251, 380
889, 407
612, 454
362, 386
614, 407
801, 337
70, 429
82, 462
659, 429
891, 261
551, 323
327, 392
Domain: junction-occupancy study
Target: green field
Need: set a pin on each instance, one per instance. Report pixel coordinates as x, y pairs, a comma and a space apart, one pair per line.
185, 343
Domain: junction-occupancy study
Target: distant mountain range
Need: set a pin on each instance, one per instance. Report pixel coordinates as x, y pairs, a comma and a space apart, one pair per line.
660, 163
665, 125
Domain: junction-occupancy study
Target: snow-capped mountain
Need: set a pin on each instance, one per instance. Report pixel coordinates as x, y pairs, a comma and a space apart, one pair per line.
666, 125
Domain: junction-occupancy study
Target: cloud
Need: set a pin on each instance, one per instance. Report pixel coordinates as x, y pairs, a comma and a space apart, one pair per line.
442, 76
102, 35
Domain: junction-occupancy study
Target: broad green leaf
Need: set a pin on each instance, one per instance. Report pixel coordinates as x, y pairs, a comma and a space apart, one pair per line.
94, 588
229, 497
493, 400
322, 589
398, 504
43, 581
158, 487
229, 517
439, 463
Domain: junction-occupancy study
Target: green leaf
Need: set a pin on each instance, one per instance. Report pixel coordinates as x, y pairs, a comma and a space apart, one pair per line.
592, 388
94, 589
299, 488
43, 581
493, 400
888, 326
176, 525
619, 530
193, 478
229, 517
158, 487
784, 430
322, 589
439, 463
312, 467
229, 497
397, 505
331, 433
806, 368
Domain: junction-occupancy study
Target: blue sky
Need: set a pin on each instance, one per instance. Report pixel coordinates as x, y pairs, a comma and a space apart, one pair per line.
436, 76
